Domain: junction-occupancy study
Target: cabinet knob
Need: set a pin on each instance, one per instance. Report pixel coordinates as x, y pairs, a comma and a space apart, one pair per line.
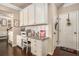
54, 32
75, 32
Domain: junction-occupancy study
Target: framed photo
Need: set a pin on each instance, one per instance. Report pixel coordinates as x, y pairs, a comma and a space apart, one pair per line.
16, 23
4, 22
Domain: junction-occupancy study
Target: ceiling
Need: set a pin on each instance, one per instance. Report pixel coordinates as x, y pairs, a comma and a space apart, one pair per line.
6, 8
21, 5
59, 4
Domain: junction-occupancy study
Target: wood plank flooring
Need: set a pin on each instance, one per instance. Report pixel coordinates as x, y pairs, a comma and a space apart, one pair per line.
8, 50
59, 52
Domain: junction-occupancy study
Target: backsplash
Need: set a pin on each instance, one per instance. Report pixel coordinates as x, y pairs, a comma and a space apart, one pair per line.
37, 31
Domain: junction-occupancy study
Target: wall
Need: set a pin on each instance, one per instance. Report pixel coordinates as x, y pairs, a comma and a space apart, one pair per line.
5, 11
52, 15
68, 8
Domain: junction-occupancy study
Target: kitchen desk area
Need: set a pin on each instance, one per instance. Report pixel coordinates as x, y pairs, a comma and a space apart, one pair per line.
36, 40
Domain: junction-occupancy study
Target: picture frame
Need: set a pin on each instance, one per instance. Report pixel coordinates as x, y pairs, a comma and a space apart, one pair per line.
16, 23
3, 22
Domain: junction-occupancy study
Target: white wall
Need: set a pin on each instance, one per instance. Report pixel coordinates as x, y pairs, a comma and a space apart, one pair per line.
68, 8
52, 15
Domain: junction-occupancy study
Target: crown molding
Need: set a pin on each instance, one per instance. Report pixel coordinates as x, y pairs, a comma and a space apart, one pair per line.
11, 6
68, 4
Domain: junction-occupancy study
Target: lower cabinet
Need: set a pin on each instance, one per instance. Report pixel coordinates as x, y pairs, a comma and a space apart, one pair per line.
39, 47
19, 41
10, 37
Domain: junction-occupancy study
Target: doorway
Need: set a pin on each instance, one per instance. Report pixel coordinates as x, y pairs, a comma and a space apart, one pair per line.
69, 30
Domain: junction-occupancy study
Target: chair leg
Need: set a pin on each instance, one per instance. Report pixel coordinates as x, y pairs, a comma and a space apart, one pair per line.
22, 48
26, 49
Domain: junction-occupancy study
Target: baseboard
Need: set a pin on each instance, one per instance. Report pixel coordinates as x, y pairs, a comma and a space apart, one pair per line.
19, 47
77, 49
14, 45
10, 42
51, 53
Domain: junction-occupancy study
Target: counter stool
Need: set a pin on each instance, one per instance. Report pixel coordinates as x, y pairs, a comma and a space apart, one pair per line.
25, 44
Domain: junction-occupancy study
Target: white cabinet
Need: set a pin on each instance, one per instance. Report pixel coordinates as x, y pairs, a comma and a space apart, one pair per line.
24, 17
21, 18
39, 47
78, 30
10, 36
31, 14
34, 14
19, 42
41, 12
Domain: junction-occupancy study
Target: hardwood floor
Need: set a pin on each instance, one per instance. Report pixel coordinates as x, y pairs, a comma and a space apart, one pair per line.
3, 47
8, 50
60, 52
16, 51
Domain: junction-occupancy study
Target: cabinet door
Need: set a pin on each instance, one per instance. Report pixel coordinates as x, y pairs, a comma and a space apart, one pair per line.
31, 14
78, 31
46, 13
19, 41
11, 36
21, 18
25, 13
33, 50
41, 13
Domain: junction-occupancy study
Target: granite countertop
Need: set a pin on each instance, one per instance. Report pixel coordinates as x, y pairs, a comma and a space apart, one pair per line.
38, 38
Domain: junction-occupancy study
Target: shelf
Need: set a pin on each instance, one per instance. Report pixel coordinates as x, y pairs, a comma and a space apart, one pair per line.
34, 25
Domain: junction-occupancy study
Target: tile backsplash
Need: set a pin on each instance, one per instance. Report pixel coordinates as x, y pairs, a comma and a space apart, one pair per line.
37, 29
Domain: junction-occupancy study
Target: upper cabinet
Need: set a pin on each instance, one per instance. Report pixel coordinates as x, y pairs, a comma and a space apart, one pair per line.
31, 14
41, 12
34, 14
25, 15
21, 18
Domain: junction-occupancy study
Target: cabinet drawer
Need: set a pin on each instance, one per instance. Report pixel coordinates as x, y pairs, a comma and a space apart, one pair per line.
39, 46
33, 43
38, 41
39, 53
33, 46
39, 49
36, 52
